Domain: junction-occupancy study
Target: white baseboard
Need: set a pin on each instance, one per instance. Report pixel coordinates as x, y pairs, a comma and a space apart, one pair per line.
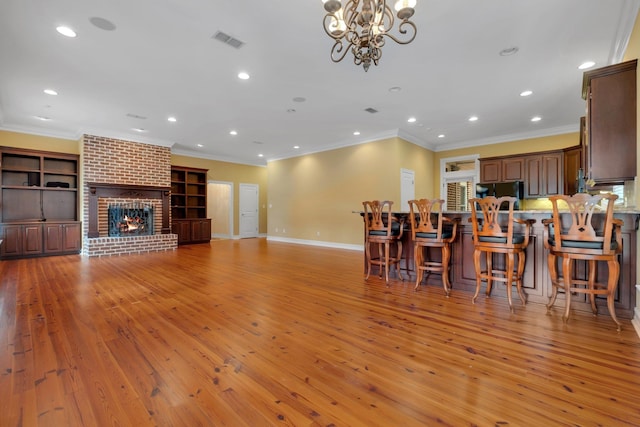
317, 243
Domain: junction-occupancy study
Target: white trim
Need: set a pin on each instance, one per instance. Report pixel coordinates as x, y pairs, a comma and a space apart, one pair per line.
625, 28
560, 130
317, 243
636, 313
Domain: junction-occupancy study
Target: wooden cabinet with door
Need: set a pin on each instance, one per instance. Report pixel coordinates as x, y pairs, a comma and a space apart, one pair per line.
61, 237
573, 162
502, 169
39, 191
544, 175
189, 205
611, 118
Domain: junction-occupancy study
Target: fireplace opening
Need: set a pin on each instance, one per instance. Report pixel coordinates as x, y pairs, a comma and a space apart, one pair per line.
130, 219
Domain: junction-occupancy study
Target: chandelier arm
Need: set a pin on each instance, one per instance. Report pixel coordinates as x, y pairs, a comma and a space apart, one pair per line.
412, 30
326, 24
339, 51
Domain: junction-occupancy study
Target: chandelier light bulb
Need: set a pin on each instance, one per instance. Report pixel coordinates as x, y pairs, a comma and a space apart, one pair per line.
404, 8
337, 25
332, 6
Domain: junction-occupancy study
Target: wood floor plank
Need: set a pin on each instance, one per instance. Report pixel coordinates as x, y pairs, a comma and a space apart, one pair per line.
256, 333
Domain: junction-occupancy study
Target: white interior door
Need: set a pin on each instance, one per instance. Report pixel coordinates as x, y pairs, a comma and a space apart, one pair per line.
407, 189
248, 210
220, 208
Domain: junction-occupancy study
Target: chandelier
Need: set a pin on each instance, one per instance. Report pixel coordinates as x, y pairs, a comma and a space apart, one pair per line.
362, 25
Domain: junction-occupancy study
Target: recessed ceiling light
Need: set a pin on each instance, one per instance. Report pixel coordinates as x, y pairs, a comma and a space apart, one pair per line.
44, 119
243, 76
233, 132
299, 99
473, 118
296, 146
411, 120
199, 145
509, 51
395, 89
441, 135
356, 133
66, 31
172, 119
526, 93
138, 130
585, 65
536, 119
260, 155
50, 92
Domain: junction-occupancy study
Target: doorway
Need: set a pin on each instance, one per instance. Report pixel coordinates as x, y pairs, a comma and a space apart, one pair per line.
220, 208
458, 178
249, 210
407, 189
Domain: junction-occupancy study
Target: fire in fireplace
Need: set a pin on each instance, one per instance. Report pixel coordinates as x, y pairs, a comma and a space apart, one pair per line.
130, 219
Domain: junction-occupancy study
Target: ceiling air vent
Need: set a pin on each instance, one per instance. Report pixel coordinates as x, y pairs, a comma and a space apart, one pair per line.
135, 116
371, 110
227, 39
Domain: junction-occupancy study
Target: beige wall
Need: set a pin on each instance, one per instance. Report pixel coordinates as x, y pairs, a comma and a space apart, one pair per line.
312, 197
237, 174
37, 142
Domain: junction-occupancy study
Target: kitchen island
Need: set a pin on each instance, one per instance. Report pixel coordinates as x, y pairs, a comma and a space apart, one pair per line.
536, 281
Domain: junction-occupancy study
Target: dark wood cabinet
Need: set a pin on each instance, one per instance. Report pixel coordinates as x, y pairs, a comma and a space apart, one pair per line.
189, 205
513, 169
192, 230
544, 175
501, 169
611, 137
62, 237
40, 239
490, 170
573, 162
39, 195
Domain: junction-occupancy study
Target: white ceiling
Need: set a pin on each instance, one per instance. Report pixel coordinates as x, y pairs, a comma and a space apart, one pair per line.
161, 61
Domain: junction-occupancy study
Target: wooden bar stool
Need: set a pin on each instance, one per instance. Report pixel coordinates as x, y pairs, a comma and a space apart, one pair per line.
382, 229
493, 236
431, 229
579, 235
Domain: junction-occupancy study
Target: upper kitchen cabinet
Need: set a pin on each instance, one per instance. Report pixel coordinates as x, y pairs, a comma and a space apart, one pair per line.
502, 169
610, 145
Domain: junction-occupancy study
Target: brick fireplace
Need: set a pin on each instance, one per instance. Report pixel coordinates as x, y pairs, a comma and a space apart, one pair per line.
116, 171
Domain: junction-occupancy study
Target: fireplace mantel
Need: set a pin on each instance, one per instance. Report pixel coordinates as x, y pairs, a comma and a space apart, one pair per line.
125, 191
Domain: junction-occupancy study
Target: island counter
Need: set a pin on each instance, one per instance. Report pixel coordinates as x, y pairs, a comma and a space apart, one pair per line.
536, 281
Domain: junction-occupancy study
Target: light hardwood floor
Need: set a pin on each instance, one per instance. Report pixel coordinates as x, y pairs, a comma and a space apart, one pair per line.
257, 333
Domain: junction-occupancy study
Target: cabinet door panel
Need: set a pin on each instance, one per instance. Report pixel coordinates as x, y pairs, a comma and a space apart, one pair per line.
552, 174
52, 238
513, 169
611, 124
533, 183
71, 238
11, 240
490, 171
32, 239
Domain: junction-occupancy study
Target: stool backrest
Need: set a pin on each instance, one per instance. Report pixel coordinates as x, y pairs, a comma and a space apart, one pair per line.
490, 227
426, 217
579, 230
